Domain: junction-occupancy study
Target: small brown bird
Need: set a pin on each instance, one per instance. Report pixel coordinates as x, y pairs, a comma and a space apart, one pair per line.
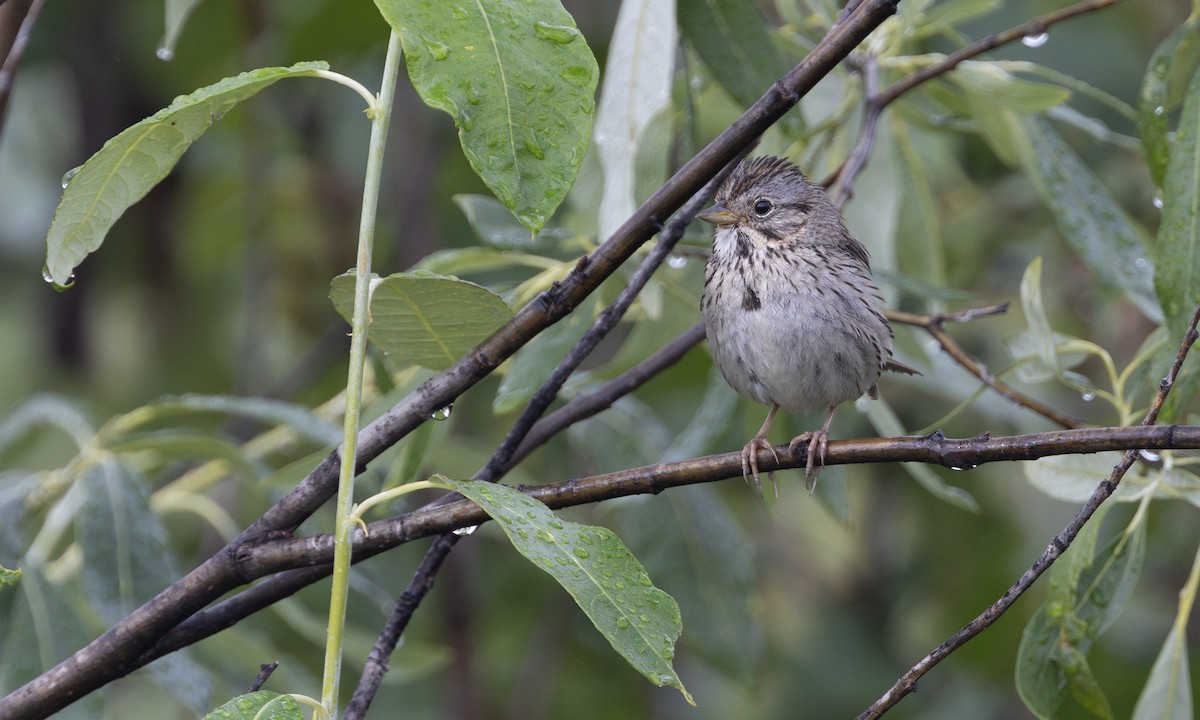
792, 315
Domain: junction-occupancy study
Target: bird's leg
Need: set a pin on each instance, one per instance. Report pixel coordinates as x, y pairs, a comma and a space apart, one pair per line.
750, 454
818, 442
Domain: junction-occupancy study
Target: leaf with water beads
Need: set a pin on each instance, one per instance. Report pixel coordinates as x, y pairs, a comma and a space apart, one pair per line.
129, 165
591, 563
519, 81
260, 705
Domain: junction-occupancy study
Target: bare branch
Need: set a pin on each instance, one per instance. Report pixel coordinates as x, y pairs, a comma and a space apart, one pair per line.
933, 324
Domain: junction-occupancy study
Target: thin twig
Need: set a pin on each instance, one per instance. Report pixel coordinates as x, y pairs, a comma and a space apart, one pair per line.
1059, 544
875, 102
16, 51
264, 673
934, 325
1032, 28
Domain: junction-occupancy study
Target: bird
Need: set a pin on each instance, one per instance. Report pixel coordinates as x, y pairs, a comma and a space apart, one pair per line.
791, 313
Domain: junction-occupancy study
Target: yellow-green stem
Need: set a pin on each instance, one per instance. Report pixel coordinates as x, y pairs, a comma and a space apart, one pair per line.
344, 525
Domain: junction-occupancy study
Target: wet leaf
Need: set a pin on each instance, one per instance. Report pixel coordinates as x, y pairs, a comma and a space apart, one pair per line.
519, 80
96, 193
591, 563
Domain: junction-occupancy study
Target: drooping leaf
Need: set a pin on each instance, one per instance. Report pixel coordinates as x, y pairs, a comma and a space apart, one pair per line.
1167, 694
1170, 73
1177, 250
260, 705
1091, 219
591, 563
424, 319
271, 412
731, 37
1088, 590
125, 555
997, 86
96, 193
519, 81
637, 87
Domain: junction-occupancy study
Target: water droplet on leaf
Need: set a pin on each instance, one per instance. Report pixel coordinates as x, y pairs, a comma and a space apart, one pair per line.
622, 623
561, 34
581, 553
68, 176
439, 51
1088, 396
1035, 41
1158, 202
443, 414
577, 75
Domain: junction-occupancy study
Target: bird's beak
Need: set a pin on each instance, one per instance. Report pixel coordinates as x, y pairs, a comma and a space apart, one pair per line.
718, 215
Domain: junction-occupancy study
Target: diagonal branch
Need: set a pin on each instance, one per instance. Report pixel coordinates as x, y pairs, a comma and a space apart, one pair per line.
935, 326
908, 681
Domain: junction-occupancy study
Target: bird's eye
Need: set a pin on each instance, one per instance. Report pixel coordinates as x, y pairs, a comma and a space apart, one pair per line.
763, 207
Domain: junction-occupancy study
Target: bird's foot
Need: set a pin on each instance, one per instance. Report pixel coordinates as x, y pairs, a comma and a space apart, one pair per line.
750, 463
818, 442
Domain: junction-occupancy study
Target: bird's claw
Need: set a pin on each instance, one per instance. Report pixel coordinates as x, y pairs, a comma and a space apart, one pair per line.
750, 463
818, 443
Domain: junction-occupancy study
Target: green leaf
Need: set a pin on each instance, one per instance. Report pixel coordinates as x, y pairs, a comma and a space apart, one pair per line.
1168, 691
49, 410
1170, 72
1178, 246
519, 81
125, 555
1091, 219
998, 87
637, 88
1071, 478
260, 705
592, 564
129, 165
947, 15
269, 412
424, 319
1088, 589
731, 37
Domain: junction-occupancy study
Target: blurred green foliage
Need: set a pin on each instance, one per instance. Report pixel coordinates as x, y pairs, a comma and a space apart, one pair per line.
217, 282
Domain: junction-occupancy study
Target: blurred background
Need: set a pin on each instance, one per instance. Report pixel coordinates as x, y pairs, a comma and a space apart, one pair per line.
805, 606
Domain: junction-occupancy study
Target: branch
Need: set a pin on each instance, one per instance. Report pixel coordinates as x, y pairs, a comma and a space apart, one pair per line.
934, 325
908, 682
115, 652
271, 556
